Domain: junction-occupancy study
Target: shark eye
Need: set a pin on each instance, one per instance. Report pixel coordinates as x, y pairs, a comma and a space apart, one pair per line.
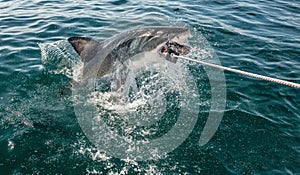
168, 36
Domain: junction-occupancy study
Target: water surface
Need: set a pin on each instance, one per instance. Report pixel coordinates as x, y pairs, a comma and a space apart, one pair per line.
259, 133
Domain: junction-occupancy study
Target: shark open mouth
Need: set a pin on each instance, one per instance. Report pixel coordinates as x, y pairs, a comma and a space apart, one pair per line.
172, 47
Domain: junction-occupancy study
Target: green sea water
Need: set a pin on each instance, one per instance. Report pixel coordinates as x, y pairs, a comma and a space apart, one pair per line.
259, 132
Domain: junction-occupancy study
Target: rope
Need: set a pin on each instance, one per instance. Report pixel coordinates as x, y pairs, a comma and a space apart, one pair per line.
275, 80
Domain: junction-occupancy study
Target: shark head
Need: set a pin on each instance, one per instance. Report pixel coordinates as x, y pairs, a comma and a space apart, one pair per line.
165, 38
99, 57
154, 37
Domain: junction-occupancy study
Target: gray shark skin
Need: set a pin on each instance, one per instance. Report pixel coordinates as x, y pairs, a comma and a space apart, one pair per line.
100, 57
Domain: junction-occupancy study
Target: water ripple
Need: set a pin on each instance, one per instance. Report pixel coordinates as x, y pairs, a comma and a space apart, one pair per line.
261, 120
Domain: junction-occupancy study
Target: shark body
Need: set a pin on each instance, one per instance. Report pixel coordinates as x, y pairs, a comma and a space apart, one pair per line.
99, 57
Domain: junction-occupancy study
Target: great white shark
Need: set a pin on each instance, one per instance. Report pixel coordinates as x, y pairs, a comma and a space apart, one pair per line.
99, 57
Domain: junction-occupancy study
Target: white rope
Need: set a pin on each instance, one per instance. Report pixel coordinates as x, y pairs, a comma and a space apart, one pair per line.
284, 82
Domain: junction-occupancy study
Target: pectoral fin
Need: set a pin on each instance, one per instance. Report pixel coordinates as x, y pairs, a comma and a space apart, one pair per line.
85, 47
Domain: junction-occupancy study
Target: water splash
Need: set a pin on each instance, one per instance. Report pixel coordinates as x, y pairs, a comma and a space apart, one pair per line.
60, 58
138, 108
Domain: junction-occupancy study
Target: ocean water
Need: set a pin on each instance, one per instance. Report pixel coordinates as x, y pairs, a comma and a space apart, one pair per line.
259, 133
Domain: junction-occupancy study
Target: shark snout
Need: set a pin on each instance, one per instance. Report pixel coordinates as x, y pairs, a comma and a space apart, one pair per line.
181, 34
